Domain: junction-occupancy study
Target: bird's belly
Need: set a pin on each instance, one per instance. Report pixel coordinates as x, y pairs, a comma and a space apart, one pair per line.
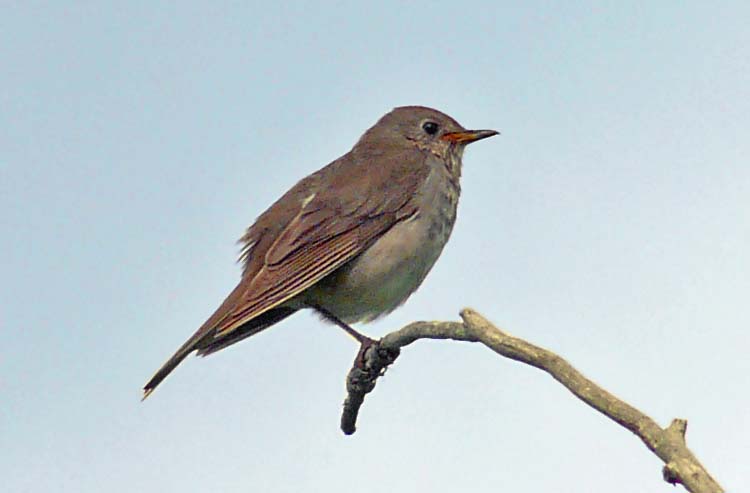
387, 273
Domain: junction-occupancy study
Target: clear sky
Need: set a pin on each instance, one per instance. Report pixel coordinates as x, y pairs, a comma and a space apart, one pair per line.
608, 222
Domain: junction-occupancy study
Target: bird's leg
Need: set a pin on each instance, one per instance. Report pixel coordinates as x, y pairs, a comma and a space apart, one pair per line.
364, 342
361, 338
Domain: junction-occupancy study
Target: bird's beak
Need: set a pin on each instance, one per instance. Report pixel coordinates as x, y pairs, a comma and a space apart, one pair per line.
468, 136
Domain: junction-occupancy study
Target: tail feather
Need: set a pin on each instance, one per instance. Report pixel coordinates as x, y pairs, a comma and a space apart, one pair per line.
261, 322
170, 365
207, 343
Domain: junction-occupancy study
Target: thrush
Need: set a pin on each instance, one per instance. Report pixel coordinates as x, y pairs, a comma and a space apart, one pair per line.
353, 240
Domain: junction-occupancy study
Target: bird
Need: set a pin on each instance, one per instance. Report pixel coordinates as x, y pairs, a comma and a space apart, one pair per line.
353, 240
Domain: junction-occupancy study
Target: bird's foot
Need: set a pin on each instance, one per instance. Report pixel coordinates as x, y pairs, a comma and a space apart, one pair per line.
365, 344
372, 355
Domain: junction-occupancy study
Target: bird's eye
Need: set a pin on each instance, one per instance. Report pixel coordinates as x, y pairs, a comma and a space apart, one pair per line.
430, 128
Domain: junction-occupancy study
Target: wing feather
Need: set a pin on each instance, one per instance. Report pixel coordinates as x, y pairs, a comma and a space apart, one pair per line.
281, 281
307, 234
332, 227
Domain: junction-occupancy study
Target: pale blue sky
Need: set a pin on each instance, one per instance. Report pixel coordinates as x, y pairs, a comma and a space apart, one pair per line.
607, 223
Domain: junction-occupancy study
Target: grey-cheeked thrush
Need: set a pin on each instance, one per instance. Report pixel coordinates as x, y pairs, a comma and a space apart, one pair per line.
351, 241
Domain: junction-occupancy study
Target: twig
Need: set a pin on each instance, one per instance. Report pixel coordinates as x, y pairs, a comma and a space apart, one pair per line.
681, 466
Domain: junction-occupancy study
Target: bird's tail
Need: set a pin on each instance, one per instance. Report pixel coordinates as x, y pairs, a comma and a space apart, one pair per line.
207, 343
170, 365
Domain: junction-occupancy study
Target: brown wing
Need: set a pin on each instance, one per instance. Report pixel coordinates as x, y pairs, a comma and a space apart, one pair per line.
334, 225
306, 235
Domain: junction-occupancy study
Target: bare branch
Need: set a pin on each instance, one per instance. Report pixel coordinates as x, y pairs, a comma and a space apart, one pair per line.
668, 444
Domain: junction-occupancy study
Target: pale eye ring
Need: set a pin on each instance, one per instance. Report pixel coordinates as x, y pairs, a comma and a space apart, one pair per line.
430, 127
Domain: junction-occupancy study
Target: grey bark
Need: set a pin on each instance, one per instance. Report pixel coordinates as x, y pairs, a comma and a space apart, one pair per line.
680, 464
